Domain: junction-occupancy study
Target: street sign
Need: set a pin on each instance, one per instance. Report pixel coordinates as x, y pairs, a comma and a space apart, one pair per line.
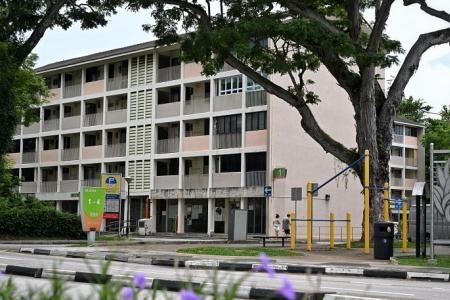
75, 195
92, 207
296, 194
398, 203
267, 191
111, 183
418, 188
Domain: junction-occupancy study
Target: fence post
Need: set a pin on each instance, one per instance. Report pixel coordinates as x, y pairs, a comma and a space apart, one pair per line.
386, 201
349, 220
309, 217
293, 230
366, 202
331, 230
405, 226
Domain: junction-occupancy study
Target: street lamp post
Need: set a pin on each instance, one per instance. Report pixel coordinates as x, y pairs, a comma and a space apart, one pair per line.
128, 179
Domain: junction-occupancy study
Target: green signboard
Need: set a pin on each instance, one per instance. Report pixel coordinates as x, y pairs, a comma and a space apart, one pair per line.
93, 205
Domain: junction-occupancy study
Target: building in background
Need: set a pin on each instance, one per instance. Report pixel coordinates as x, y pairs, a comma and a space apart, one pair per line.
195, 146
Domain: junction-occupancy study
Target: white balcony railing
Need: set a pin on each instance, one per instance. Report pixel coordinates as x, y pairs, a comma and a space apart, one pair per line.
70, 154
195, 181
71, 122
256, 98
117, 83
72, 91
169, 73
395, 181
49, 186
255, 178
397, 138
91, 182
196, 106
28, 187
67, 186
29, 157
411, 162
50, 125
33, 128
227, 140
116, 150
116, 116
168, 145
93, 119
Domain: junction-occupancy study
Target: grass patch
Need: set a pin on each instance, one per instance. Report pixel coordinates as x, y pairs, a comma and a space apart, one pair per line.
441, 261
239, 251
360, 244
109, 238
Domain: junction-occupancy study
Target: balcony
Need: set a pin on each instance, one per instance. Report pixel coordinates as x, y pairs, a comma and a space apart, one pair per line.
196, 106
33, 128
168, 110
256, 138
70, 154
49, 187
166, 182
48, 156
411, 162
92, 152
227, 102
168, 145
227, 140
68, 186
50, 125
55, 94
72, 91
93, 119
169, 73
256, 98
397, 138
411, 141
395, 181
255, 178
196, 143
94, 182
94, 87
195, 181
409, 182
192, 70
116, 116
15, 157
71, 122
29, 157
116, 150
221, 180
396, 160
28, 187
117, 83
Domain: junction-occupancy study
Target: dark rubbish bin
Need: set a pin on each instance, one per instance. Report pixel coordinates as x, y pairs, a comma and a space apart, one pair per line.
383, 240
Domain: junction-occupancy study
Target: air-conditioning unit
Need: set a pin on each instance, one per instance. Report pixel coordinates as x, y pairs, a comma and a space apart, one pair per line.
144, 227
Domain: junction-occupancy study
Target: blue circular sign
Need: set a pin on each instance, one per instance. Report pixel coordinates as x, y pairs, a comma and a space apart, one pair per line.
110, 181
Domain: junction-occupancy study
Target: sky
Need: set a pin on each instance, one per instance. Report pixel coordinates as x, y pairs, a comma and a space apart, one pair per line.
431, 82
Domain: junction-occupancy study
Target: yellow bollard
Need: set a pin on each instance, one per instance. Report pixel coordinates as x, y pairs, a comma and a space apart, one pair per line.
405, 226
349, 220
309, 217
293, 230
386, 201
331, 230
366, 202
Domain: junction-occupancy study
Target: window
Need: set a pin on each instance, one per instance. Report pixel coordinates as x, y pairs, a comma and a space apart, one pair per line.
397, 151
228, 124
256, 121
253, 86
90, 140
398, 129
229, 85
93, 74
409, 131
228, 163
67, 111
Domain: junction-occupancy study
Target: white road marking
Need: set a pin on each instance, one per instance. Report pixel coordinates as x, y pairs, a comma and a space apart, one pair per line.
368, 291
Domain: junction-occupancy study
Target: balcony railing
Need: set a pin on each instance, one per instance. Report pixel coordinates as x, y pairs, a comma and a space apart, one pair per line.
168, 110
395, 181
116, 150
256, 98
166, 182
50, 125
117, 83
93, 119
70, 154
195, 181
397, 138
196, 106
231, 179
169, 73
71, 122
49, 186
396, 160
116, 116
28, 187
33, 128
168, 145
29, 157
255, 178
72, 91
66, 186
91, 182
411, 162
227, 102
227, 140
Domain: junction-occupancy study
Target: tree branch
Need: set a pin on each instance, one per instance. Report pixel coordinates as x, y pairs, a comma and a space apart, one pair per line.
381, 17
354, 19
441, 14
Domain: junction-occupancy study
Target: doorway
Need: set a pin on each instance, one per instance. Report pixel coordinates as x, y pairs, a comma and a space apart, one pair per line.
166, 215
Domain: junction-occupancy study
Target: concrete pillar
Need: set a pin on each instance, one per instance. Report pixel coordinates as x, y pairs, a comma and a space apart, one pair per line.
226, 214
244, 203
211, 214
58, 205
153, 215
181, 211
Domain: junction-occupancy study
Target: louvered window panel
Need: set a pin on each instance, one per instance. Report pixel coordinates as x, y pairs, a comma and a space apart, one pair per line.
148, 104
132, 141
131, 173
140, 140
148, 139
141, 105
134, 71
139, 175
149, 73
133, 106
141, 70
146, 171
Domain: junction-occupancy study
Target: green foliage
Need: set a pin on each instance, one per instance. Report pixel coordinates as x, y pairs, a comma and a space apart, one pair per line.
437, 131
413, 109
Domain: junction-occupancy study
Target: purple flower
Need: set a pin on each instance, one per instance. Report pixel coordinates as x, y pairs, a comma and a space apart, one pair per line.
264, 266
188, 295
287, 290
139, 280
127, 293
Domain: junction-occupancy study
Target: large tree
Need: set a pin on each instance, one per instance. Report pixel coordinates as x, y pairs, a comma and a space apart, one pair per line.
303, 35
413, 109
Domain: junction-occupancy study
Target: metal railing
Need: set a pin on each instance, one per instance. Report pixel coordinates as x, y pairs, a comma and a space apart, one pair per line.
227, 140
70, 185
195, 181
116, 150
49, 186
91, 182
49, 125
93, 119
169, 73
29, 157
70, 154
72, 91
117, 83
255, 178
196, 105
397, 138
322, 233
116, 116
256, 98
168, 145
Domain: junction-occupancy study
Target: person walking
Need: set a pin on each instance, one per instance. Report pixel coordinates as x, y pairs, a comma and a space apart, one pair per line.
287, 224
277, 225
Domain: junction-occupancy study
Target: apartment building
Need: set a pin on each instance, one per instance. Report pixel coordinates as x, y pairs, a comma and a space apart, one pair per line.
195, 146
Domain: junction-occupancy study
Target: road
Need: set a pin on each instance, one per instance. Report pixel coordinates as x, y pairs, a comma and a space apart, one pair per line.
345, 285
